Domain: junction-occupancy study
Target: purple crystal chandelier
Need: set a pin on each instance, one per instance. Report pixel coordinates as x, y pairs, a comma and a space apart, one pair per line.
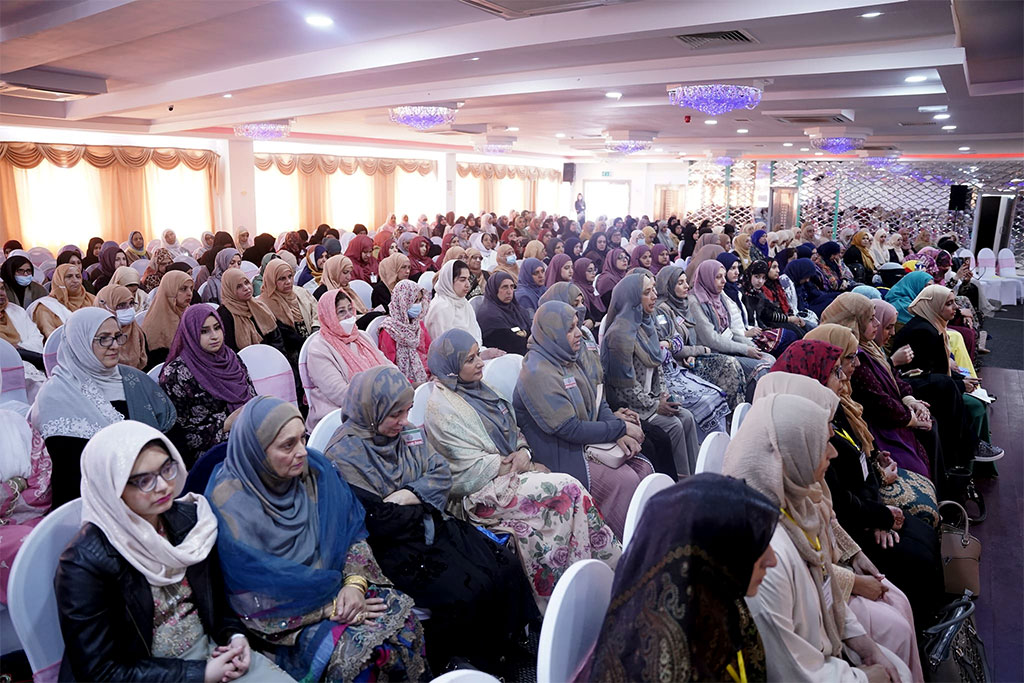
628, 146
715, 98
422, 117
263, 130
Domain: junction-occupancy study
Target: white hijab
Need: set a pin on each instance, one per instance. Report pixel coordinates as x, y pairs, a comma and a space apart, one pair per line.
15, 445
107, 462
448, 311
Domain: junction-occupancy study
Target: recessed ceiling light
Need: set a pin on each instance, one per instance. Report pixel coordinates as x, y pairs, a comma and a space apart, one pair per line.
964, 149
941, 117
949, 127
870, 15
659, 149
915, 79
742, 130
473, 59
227, 95
818, 154
559, 135
787, 144
932, 108
319, 20
805, 149
512, 129
710, 122
612, 95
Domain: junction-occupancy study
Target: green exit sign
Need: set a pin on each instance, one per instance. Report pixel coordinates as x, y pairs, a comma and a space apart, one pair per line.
606, 174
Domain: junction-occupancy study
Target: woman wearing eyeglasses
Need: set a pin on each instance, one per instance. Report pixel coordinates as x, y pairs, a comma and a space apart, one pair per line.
119, 300
88, 391
139, 590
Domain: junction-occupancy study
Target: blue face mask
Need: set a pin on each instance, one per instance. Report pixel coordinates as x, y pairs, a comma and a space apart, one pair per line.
23, 280
414, 311
510, 259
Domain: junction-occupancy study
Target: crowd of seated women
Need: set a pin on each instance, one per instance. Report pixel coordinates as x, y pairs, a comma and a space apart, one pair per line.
638, 341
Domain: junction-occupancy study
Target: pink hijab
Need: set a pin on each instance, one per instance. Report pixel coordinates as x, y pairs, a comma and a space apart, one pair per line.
705, 291
363, 355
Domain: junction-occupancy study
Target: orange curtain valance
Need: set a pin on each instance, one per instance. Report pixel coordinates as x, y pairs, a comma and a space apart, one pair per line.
308, 164
31, 154
500, 171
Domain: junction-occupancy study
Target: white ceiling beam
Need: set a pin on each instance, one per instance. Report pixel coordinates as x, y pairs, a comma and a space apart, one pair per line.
751, 65
58, 17
599, 24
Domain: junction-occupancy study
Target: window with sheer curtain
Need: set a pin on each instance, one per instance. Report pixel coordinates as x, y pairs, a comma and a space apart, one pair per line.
179, 199
467, 195
511, 194
547, 196
351, 200
59, 206
277, 201
417, 194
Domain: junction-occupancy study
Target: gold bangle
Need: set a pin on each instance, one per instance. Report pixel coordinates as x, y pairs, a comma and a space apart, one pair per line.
334, 608
357, 580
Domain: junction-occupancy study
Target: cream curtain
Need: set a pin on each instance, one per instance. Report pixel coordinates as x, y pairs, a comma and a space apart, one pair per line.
28, 174
500, 171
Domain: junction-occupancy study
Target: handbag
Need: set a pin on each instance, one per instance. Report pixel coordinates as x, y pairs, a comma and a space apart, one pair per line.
952, 649
961, 555
608, 454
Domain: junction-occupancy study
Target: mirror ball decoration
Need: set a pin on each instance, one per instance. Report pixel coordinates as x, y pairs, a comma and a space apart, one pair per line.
837, 145
715, 98
421, 117
263, 130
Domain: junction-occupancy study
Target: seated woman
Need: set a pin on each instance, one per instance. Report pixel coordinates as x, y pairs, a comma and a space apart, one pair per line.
616, 263
312, 267
763, 312
506, 260
963, 419
17, 328
672, 318
403, 338
136, 248
450, 310
67, 295
532, 276
139, 590
112, 257
558, 270
904, 548
496, 484
477, 275
584, 273
16, 273
419, 257
117, 300
335, 355
206, 382
473, 587
246, 320
162, 258
806, 280
391, 270
782, 450
297, 568
836, 275
293, 307
561, 411
685, 583
631, 357
173, 296
127, 276
89, 390
716, 329
771, 340
364, 265
858, 257
504, 324
25, 489
225, 260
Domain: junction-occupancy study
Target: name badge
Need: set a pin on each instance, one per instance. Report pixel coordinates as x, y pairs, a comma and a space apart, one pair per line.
373, 278
591, 346
516, 330
503, 409
661, 319
569, 382
412, 437
826, 591
864, 464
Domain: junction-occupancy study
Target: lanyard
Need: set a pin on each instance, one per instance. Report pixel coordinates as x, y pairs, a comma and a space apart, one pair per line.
845, 435
740, 677
815, 543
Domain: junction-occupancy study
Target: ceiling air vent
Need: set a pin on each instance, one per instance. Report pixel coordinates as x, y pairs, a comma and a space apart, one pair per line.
813, 120
701, 41
915, 124
879, 148
521, 9
38, 94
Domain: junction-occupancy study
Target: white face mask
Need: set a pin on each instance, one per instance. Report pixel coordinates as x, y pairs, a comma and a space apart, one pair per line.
125, 317
347, 324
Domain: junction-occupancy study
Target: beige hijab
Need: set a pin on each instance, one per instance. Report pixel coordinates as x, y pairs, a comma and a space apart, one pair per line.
162, 320
285, 307
59, 291
776, 451
133, 351
389, 267
332, 280
107, 462
126, 275
928, 305
243, 313
844, 338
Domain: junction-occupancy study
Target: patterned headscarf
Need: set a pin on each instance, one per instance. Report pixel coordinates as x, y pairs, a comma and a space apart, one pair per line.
406, 333
815, 359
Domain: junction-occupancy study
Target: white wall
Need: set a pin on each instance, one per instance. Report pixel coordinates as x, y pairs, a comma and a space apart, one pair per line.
642, 178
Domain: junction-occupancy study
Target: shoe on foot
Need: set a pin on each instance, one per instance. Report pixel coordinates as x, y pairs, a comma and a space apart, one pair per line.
986, 452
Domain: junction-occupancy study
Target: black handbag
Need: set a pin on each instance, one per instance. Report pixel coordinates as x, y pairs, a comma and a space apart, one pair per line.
953, 651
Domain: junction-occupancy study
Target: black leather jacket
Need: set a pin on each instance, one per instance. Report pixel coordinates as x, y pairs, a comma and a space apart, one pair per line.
106, 609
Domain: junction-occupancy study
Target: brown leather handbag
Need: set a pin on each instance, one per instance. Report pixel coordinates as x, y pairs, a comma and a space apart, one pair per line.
961, 555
